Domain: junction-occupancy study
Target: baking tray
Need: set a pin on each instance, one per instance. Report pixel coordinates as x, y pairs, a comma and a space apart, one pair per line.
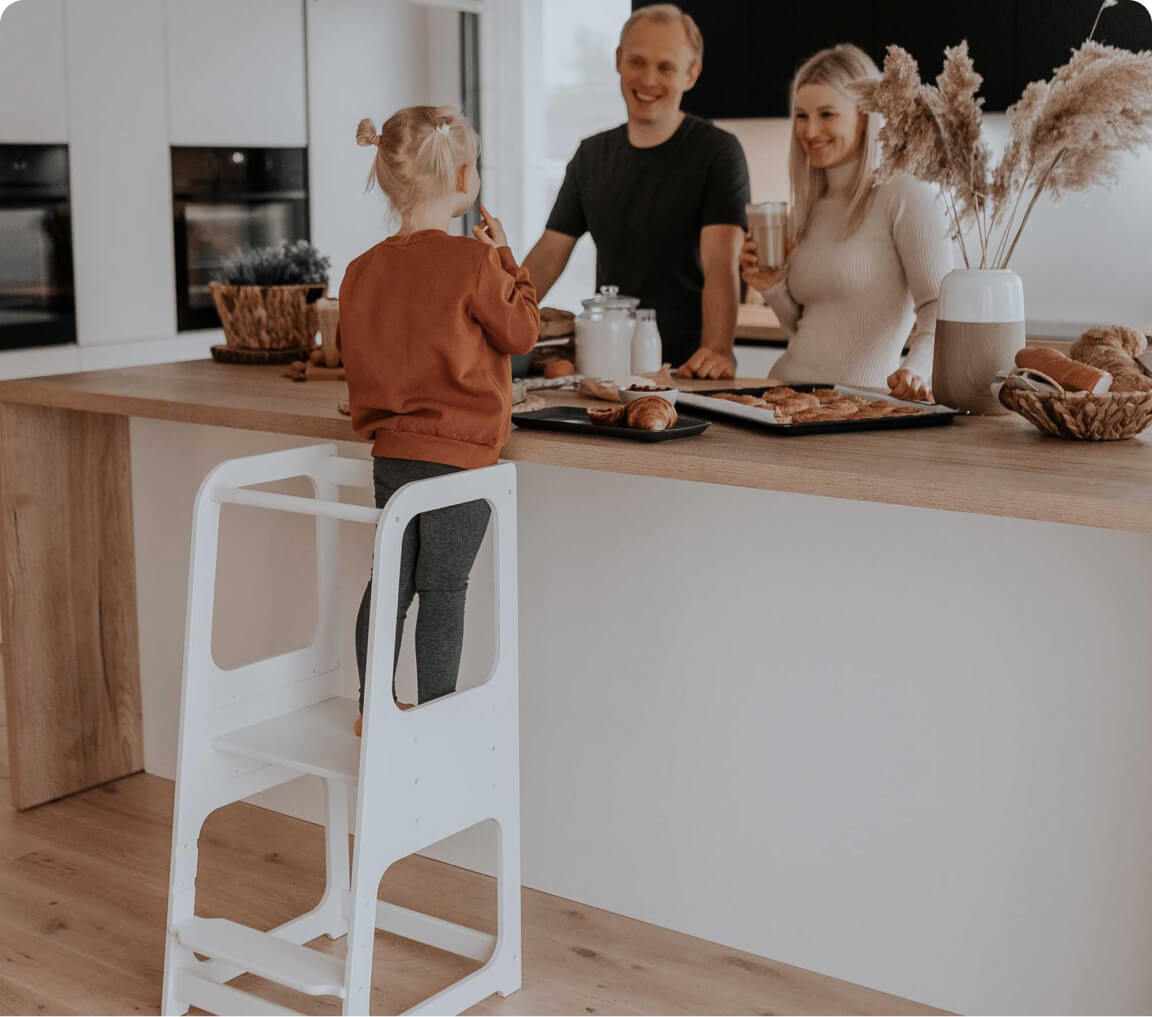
933, 416
574, 419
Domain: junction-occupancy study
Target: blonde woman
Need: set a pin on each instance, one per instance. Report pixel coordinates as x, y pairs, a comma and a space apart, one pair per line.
864, 274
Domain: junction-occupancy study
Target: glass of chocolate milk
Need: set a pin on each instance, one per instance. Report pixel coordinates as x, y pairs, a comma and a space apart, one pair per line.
768, 224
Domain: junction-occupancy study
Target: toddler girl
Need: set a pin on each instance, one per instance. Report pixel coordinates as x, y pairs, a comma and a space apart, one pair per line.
427, 323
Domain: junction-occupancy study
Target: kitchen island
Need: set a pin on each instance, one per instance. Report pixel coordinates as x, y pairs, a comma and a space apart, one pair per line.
771, 694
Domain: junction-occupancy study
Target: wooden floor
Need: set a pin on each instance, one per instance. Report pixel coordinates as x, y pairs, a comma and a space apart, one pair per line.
83, 884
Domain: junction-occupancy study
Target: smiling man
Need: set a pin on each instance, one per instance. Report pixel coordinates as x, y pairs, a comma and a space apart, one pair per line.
663, 197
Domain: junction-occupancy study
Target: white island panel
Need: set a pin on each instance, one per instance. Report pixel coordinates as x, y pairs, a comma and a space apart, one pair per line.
899, 746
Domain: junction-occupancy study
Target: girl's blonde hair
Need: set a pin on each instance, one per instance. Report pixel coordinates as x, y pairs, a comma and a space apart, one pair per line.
418, 152
836, 68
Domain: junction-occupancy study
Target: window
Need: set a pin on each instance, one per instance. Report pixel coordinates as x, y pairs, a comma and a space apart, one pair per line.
581, 97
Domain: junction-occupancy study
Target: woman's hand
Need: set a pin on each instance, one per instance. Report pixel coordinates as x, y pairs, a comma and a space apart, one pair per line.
490, 231
762, 279
905, 385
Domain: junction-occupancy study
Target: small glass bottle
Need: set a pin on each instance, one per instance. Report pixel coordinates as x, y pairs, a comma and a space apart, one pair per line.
647, 349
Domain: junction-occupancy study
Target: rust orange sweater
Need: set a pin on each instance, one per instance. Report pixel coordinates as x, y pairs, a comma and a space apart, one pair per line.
427, 323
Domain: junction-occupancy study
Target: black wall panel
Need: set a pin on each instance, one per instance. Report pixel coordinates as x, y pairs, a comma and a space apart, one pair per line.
752, 47
926, 29
1047, 31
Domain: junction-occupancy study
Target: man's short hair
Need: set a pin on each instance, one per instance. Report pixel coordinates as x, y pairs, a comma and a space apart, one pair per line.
666, 14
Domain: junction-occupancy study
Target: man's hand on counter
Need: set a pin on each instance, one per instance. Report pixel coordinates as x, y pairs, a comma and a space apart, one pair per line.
706, 363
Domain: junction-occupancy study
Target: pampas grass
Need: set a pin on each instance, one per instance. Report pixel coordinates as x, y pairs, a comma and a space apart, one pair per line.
1066, 134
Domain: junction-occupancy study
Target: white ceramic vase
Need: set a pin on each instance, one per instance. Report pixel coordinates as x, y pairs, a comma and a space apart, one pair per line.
979, 329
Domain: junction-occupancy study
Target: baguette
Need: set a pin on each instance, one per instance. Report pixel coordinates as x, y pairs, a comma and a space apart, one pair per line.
1065, 371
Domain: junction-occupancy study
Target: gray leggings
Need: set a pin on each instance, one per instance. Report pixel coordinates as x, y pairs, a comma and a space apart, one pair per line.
438, 551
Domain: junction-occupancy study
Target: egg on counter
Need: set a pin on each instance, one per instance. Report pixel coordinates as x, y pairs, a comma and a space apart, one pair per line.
559, 369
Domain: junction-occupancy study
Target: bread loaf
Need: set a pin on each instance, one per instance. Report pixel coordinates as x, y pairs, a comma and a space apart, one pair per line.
651, 414
1066, 372
1114, 348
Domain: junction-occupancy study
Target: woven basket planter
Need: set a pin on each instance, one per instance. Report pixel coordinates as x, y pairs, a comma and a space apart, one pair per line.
1080, 415
268, 317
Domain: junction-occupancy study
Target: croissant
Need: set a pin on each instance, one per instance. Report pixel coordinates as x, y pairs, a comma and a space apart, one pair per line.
1113, 348
608, 416
651, 414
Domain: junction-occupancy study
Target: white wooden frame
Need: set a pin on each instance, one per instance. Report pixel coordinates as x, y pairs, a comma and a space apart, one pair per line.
421, 774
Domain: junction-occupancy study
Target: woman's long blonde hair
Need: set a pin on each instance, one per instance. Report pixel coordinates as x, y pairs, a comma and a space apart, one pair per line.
836, 68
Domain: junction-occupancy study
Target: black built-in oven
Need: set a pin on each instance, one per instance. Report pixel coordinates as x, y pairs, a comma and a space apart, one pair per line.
225, 199
37, 299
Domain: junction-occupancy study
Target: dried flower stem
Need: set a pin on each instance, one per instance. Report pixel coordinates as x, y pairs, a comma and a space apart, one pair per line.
1106, 4
947, 193
1012, 218
1032, 204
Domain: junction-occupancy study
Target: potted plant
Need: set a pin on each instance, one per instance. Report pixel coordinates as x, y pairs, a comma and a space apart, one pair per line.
1066, 134
266, 299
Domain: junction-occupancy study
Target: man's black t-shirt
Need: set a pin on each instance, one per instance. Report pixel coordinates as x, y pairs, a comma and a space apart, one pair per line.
645, 208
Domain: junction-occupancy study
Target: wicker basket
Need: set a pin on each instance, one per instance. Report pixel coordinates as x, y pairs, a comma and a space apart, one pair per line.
268, 317
1081, 415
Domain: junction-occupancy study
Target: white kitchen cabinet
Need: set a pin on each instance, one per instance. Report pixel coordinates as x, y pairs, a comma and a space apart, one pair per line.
33, 94
236, 72
121, 173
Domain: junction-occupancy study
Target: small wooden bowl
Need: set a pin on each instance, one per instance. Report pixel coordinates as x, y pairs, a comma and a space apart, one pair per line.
1080, 415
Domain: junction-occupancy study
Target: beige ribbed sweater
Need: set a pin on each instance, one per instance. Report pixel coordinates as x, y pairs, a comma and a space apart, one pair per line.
850, 303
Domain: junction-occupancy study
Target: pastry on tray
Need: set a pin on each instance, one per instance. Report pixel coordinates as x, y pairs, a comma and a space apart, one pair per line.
821, 405
648, 414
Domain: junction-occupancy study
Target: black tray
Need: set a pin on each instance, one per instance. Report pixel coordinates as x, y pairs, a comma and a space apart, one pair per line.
575, 419
933, 415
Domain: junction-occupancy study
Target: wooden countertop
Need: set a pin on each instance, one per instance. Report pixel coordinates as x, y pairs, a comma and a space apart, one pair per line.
994, 466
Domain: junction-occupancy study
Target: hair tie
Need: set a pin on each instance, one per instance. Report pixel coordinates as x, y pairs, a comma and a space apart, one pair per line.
444, 127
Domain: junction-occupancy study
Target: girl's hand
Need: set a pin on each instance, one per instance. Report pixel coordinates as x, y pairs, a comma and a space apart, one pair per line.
905, 385
490, 231
762, 279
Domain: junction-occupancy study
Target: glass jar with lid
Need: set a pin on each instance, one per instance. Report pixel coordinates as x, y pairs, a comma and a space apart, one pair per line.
604, 334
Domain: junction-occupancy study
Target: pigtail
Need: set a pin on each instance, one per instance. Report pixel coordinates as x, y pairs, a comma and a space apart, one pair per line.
366, 133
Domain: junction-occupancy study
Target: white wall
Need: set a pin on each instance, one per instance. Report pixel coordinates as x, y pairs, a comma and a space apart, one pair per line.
1084, 262
366, 58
